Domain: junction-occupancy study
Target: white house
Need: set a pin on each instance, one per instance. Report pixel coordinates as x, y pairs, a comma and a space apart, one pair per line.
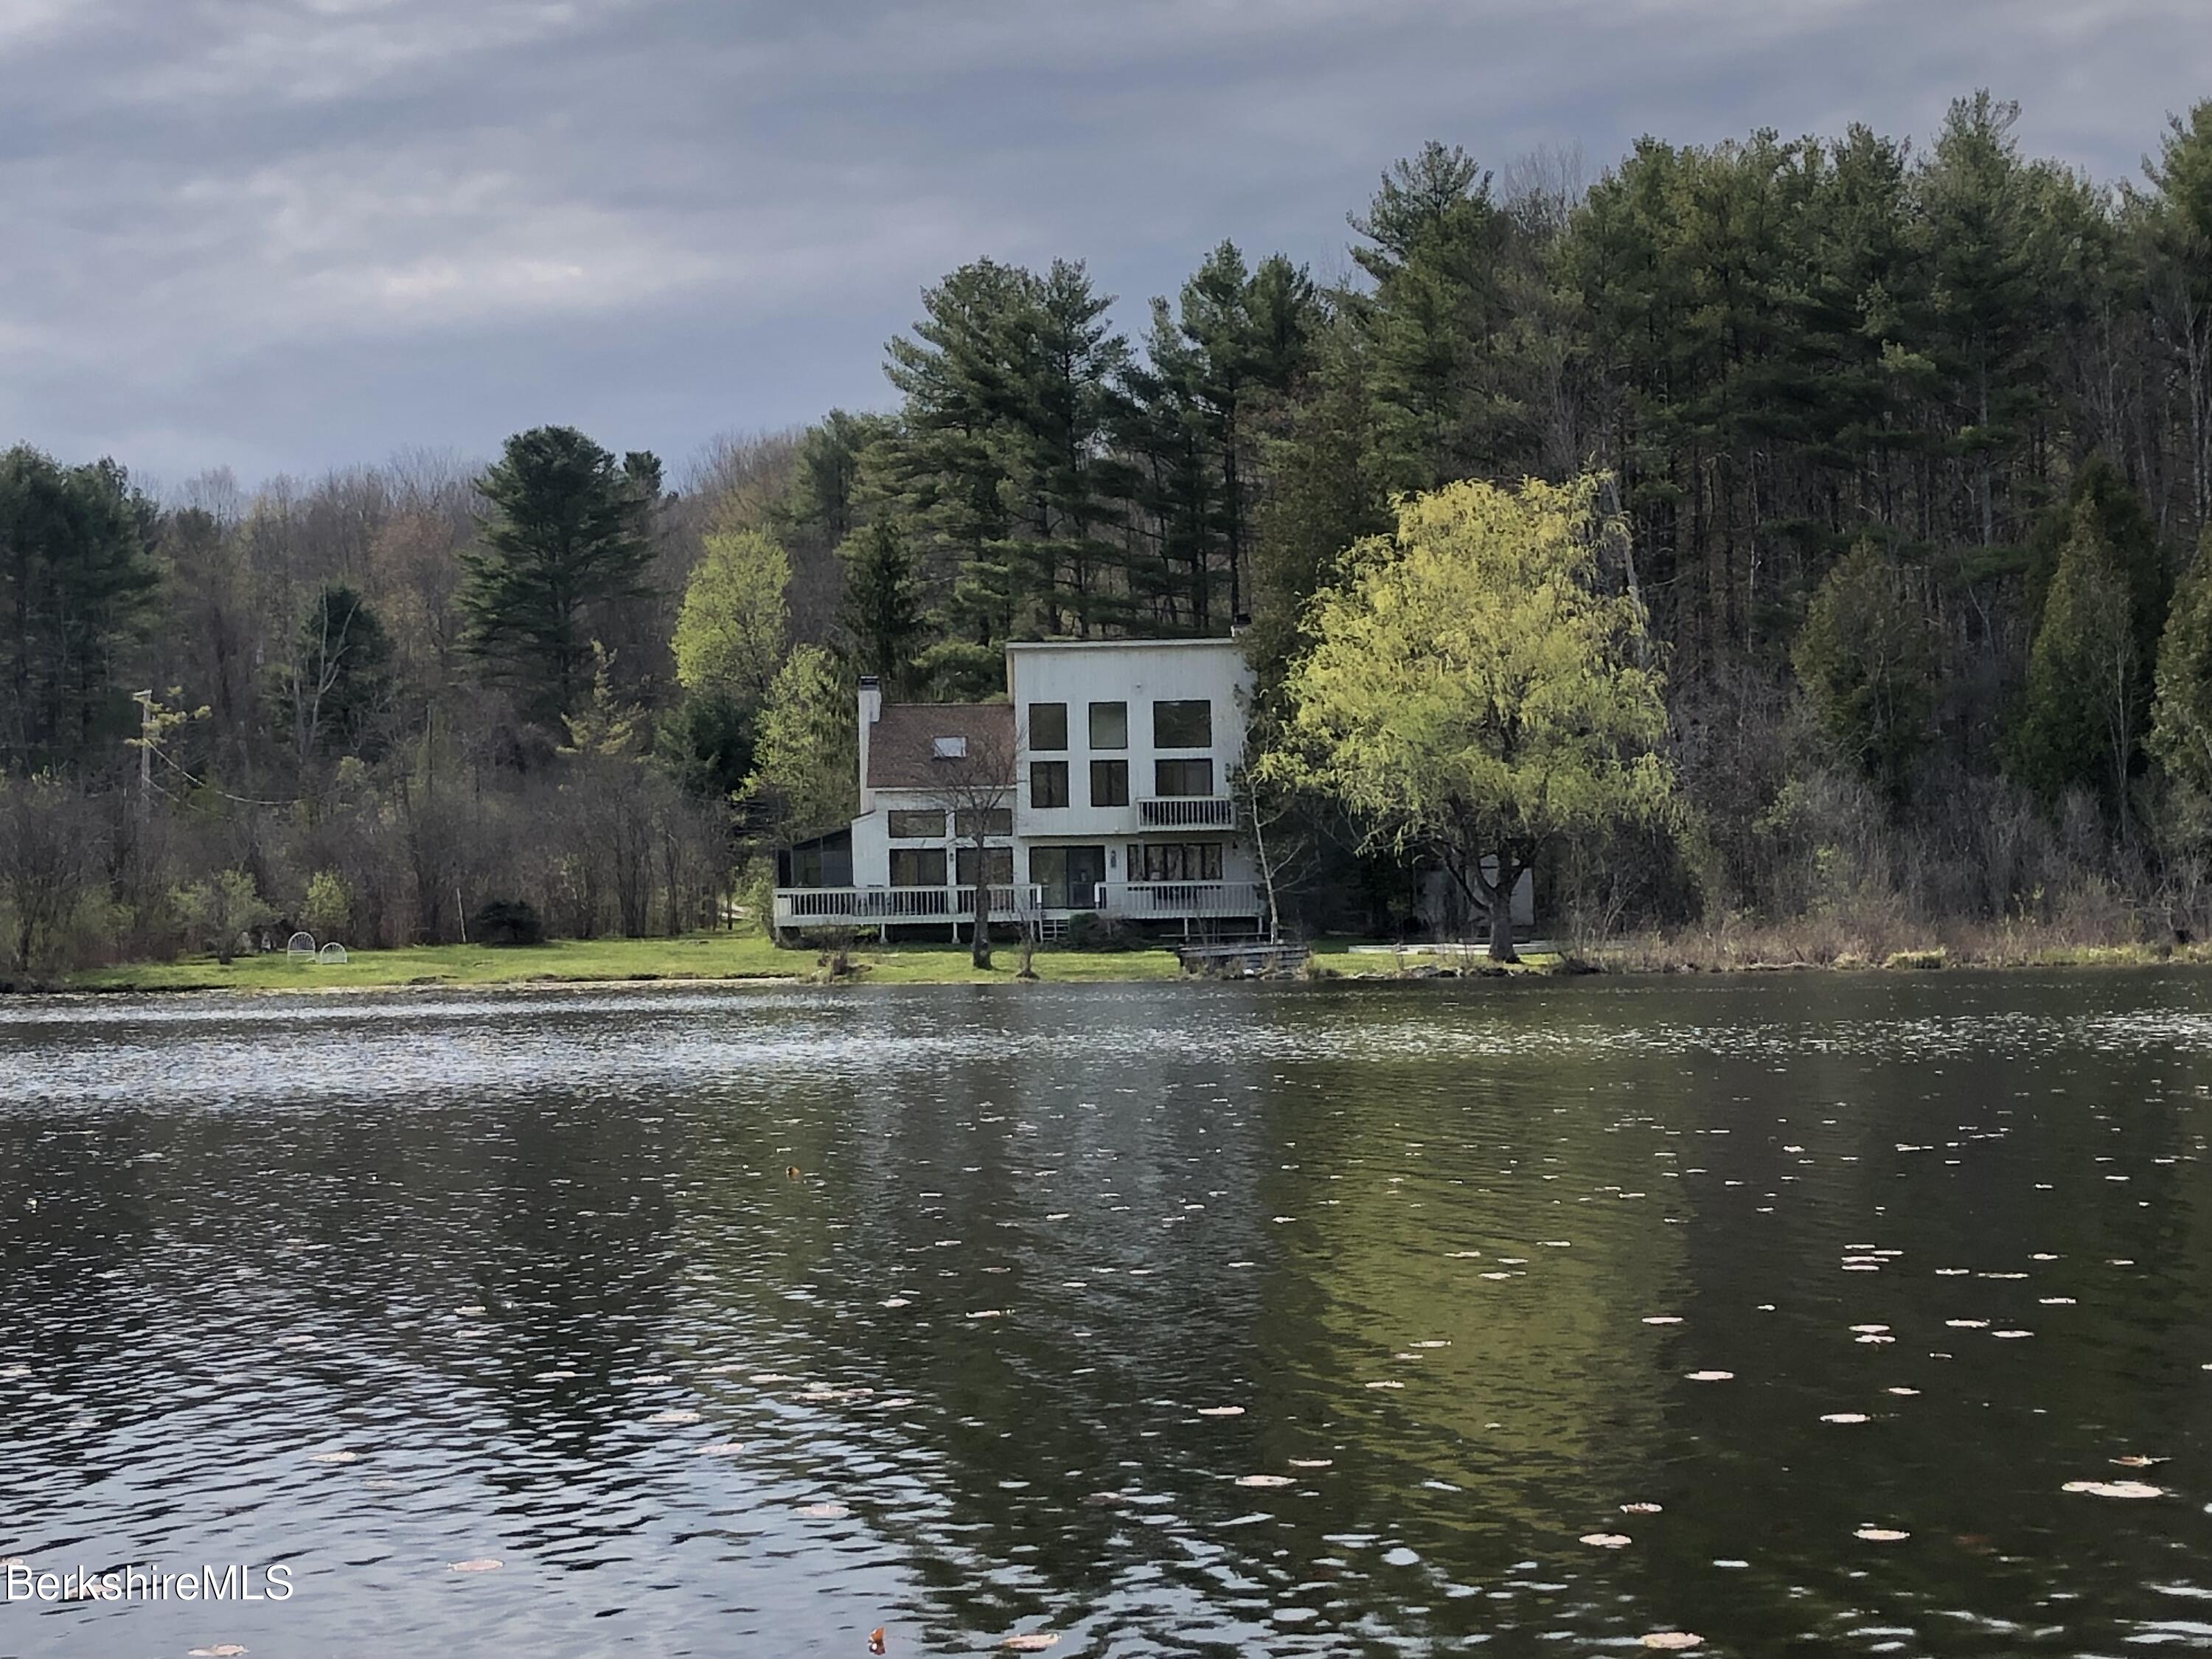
1103, 784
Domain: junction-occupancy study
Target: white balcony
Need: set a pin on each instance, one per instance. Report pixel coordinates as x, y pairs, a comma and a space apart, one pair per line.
1177, 901
1187, 813
870, 907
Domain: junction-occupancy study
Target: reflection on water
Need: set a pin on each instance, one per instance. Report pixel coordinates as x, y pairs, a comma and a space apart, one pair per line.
1294, 1319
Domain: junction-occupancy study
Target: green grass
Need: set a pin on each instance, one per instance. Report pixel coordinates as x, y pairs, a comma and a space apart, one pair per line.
694, 957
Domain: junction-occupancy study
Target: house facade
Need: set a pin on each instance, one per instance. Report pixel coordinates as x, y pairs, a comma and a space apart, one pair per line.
1103, 785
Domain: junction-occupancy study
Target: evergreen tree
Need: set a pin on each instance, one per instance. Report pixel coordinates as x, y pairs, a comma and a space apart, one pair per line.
1864, 657
2084, 707
880, 618
2181, 719
76, 588
565, 534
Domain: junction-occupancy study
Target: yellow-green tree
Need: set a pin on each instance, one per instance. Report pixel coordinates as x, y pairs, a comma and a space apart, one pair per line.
730, 634
1468, 693
806, 764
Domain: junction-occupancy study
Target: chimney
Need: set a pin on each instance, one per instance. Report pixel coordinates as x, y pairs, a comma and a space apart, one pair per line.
872, 710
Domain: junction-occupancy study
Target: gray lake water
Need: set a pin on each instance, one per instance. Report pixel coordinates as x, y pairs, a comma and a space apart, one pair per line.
1157, 1319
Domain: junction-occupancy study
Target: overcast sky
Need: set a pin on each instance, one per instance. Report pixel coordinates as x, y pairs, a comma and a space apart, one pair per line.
284, 236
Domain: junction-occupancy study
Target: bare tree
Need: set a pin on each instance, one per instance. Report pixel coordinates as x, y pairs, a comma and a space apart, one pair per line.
50, 860
976, 787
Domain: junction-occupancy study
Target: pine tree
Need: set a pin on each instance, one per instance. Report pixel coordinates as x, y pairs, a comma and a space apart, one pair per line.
879, 617
77, 589
566, 533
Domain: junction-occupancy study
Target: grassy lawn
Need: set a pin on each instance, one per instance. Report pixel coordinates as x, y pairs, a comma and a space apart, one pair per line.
697, 956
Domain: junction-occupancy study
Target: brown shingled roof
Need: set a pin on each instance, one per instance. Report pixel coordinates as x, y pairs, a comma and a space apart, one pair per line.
902, 741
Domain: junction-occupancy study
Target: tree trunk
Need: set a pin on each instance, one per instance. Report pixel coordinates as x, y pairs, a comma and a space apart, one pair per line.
1500, 900
979, 929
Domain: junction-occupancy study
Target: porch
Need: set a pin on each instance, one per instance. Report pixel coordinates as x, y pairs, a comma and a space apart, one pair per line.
800, 909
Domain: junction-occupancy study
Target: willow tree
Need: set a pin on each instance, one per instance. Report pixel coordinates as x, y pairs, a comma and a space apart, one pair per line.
1469, 692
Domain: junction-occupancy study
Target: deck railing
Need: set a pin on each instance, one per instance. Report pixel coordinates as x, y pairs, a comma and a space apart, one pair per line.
841, 906
1187, 813
1170, 899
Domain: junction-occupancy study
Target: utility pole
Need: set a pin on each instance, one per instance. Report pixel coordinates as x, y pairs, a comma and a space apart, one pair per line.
145, 702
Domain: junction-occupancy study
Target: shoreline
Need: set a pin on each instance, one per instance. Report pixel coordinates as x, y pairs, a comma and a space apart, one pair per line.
731, 961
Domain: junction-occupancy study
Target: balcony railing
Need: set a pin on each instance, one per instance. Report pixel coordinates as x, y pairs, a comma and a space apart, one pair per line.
842, 907
1172, 900
1187, 813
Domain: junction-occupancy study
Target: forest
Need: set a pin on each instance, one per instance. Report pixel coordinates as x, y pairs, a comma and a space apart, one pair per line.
1908, 445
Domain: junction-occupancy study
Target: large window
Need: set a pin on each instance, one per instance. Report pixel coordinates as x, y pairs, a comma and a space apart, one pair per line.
1182, 777
1109, 726
1194, 860
1110, 783
997, 820
1047, 783
1183, 725
1047, 726
998, 860
911, 823
917, 866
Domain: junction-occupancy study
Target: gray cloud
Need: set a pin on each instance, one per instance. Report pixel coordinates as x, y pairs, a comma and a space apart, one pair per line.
286, 234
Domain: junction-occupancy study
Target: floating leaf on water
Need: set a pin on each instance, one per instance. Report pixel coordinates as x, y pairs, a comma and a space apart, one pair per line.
1464, 1255
1907, 1392
2011, 1335
875, 1639
475, 1564
1874, 1340
1311, 1462
1673, 1641
1711, 1376
1663, 1319
2054, 1300
1386, 1384
1968, 1324
1869, 1330
332, 1457
2114, 1489
893, 1302
1606, 1541
1953, 1272
1846, 1417
2043, 1255
1035, 1641
1279, 1220
673, 1417
1434, 1342
1640, 1508
824, 1511
1882, 1534
2137, 1460
1221, 1411
1263, 1480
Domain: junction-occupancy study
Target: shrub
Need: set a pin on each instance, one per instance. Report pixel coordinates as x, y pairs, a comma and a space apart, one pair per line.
1089, 931
505, 922
327, 911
